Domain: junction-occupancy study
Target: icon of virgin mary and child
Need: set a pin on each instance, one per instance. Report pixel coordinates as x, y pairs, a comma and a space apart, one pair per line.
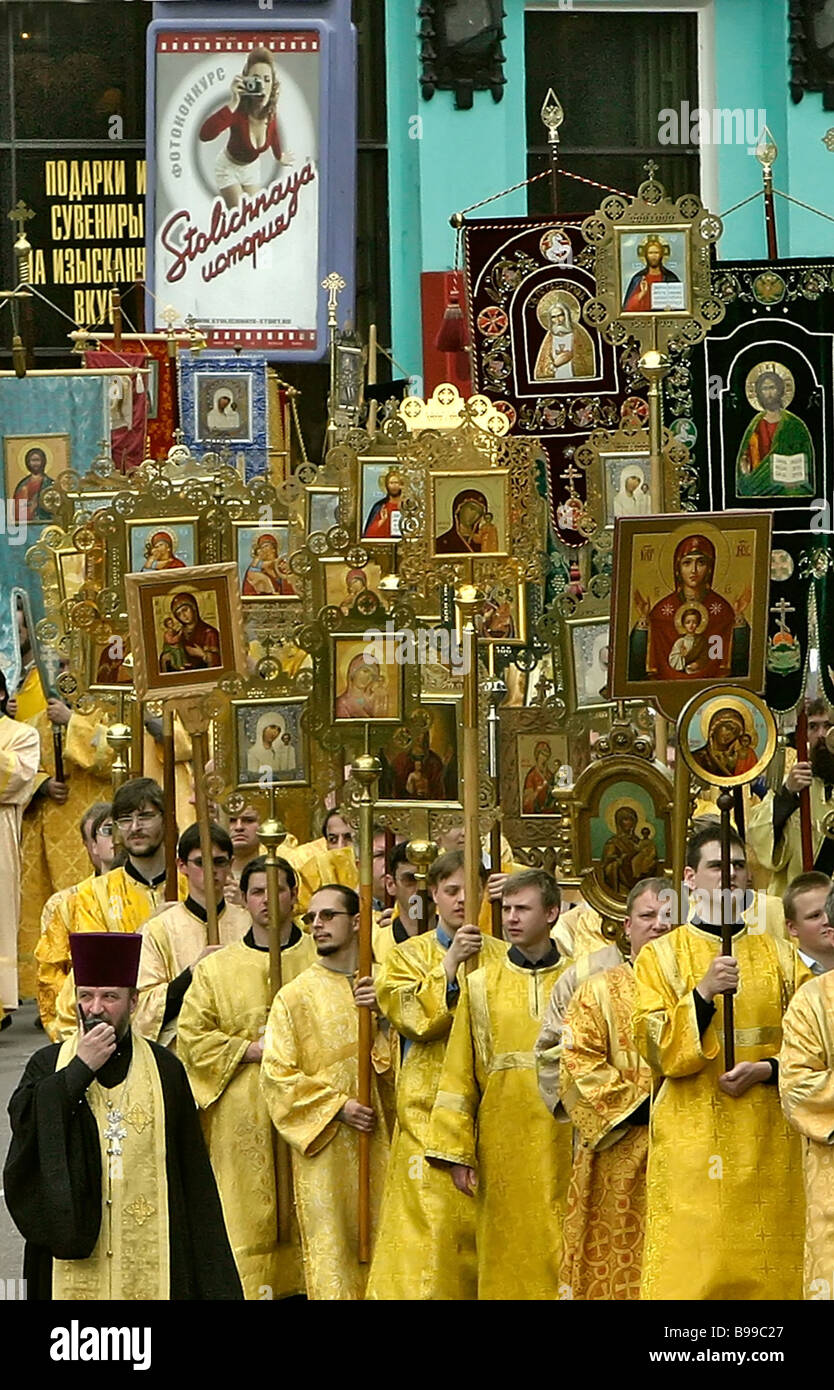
693, 632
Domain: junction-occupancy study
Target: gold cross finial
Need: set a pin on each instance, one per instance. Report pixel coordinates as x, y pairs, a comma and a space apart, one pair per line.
552, 115
20, 215
651, 168
169, 316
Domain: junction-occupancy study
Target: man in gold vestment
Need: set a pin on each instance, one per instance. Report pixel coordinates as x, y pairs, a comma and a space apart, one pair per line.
724, 1182
176, 939
397, 924
125, 898
606, 1089
220, 1043
487, 1123
806, 1086
310, 1077
773, 826
107, 1176
53, 858
19, 750
52, 951
425, 1246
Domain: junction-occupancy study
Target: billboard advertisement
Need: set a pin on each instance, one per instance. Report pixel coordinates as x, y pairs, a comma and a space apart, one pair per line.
244, 126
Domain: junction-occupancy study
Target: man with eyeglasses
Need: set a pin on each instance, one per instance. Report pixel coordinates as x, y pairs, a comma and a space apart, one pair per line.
176, 939
220, 1044
123, 899
337, 862
310, 1080
58, 917
426, 1243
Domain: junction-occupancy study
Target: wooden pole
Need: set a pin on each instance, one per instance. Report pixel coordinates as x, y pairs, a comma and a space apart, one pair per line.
58, 752
655, 366
725, 801
137, 739
373, 406
496, 691
680, 821
199, 757
366, 770
468, 600
805, 831
271, 834
116, 311
169, 789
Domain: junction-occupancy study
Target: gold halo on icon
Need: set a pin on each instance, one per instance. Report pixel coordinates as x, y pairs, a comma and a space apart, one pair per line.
769, 369
701, 709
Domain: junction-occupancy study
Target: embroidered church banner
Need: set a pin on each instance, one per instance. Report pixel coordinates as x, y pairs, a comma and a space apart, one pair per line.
551, 374
49, 424
757, 413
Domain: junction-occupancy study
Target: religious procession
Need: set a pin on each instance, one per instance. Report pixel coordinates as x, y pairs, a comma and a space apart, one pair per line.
416, 683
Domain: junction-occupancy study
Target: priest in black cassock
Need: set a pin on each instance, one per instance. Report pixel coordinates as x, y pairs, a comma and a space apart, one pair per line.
107, 1175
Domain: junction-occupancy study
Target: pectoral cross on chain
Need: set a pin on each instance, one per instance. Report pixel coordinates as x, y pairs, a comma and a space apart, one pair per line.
114, 1131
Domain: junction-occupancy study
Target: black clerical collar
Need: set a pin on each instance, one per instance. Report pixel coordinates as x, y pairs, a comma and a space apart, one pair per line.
200, 912
552, 958
134, 873
398, 931
294, 938
713, 929
115, 1069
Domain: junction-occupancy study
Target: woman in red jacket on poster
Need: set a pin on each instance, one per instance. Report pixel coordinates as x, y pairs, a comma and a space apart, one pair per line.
250, 120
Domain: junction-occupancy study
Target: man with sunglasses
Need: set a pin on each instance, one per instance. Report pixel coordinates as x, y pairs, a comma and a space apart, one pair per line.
310, 1081
175, 940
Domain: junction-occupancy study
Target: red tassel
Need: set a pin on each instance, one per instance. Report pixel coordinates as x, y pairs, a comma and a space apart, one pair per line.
452, 335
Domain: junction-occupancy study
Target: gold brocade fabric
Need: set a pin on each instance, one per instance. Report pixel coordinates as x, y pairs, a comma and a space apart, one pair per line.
604, 1080
131, 1259
309, 1069
578, 932
225, 1009
784, 861
549, 1042
425, 1247
806, 1084
725, 1210
113, 902
52, 954
52, 851
19, 754
488, 1115
171, 942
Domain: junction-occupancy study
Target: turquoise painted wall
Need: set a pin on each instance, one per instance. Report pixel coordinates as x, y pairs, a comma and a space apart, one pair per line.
441, 160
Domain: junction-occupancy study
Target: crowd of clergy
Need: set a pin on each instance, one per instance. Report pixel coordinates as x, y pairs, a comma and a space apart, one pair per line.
551, 1116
